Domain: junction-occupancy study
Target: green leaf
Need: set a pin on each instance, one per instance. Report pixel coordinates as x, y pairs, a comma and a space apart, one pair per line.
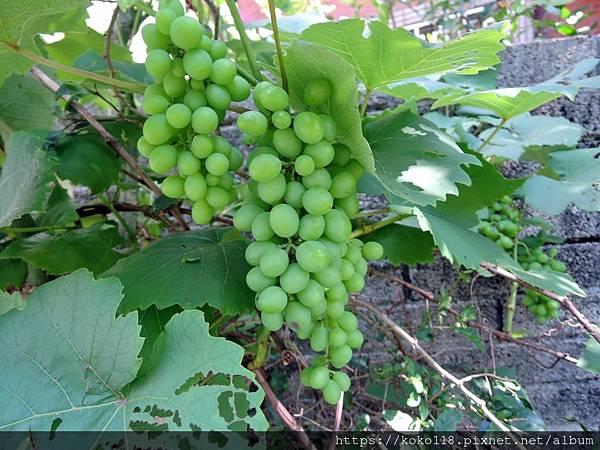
578, 181
510, 102
404, 244
13, 273
21, 21
81, 363
93, 61
26, 177
199, 266
590, 358
8, 302
419, 89
74, 44
389, 55
60, 209
92, 248
25, 105
415, 160
448, 420
306, 62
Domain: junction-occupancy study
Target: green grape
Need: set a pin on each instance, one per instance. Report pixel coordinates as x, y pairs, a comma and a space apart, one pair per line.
342, 380
261, 228
355, 168
284, 220
194, 99
244, 217
355, 283
257, 92
164, 18
353, 254
155, 104
222, 146
186, 33
264, 167
540, 310
238, 88
294, 191
317, 201
197, 64
340, 356
330, 128
195, 187
226, 181
305, 376
286, 142
218, 50
257, 281
318, 311
342, 155
346, 269
317, 91
217, 197
144, 147
558, 266
304, 165
272, 191
311, 227
337, 225
348, 321
174, 5
318, 178
505, 242
328, 277
319, 377
272, 300
361, 267
272, 322
153, 38
372, 250
187, 163
274, 262
309, 127
322, 153
202, 146
337, 293
342, 185
337, 337
294, 279
157, 130
202, 212
281, 119
348, 204
355, 338
223, 71
263, 150
252, 122
312, 256
274, 98
332, 393
312, 294
236, 159
178, 115
318, 338
335, 309
174, 86
297, 316
172, 187
204, 120
163, 158
218, 97
217, 164
255, 250
177, 68
158, 63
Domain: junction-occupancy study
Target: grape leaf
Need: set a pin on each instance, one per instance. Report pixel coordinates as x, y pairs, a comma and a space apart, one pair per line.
75, 44
26, 177
578, 182
25, 105
389, 55
81, 364
92, 248
404, 244
93, 61
414, 159
203, 266
12, 273
306, 62
60, 209
448, 420
21, 21
590, 358
510, 102
8, 302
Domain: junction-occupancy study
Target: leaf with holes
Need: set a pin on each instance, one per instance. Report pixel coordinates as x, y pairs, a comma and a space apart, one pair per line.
82, 364
204, 266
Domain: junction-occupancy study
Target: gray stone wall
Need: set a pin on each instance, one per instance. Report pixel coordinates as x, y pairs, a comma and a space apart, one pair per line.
556, 389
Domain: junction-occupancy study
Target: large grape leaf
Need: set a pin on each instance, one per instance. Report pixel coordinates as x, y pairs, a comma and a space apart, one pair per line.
25, 105
305, 62
414, 159
60, 209
8, 302
389, 55
59, 253
590, 358
12, 273
203, 266
404, 244
577, 182
21, 21
26, 177
75, 44
80, 364
510, 102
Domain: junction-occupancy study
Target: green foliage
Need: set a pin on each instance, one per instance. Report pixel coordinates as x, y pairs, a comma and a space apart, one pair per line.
9, 302
404, 244
12, 273
590, 358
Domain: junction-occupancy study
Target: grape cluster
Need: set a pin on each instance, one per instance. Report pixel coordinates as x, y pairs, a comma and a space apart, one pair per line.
194, 85
298, 204
540, 306
503, 223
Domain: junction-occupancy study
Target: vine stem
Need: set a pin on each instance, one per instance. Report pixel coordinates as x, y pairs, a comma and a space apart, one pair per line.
129, 86
562, 299
396, 329
239, 26
369, 228
511, 304
363, 107
273, 13
37, 229
492, 135
281, 410
339, 409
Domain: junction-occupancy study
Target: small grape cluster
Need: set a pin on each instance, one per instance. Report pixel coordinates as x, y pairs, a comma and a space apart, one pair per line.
503, 223
194, 85
540, 306
298, 204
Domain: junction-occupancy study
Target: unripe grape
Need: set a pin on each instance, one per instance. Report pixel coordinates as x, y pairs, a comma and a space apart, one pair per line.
558, 266
172, 187
252, 122
309, 127
177, 68
355, 283
265, 167
217, 164
236, 159
355, 338
204, 120
155, 104
305, 376
194, 99
342, 380
335, 309
163, 158
272, 191
272, 300
222, 145
197, 64
274, 98
372, 250
311, 227
255, 250
346, 269
342, 154
261, 228
312, 256
153, 38
195, 187
286, 142
329, 126
157, 130
348, 204
340, 356
202, 146
294, 279
274, 262
297, 316
342, 185
187, 164
318, 338
312, 294
337, 226
317, 201
223, 71
361, 267
332, 393
304, 165
284, 220
281, 119
319, 377
505, 242
304, 332
218, 50
348, 321
317, 91
257, 281
173, 5
238, 88
144, 147
186, 33
355, 168
218, 97
158, 63
244, 217
318, 178
262, 150
174, 86
294, 191
337, 337
217, 197
202, 212
322, 153
328, 277
272, 322
338, 293
164, 18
